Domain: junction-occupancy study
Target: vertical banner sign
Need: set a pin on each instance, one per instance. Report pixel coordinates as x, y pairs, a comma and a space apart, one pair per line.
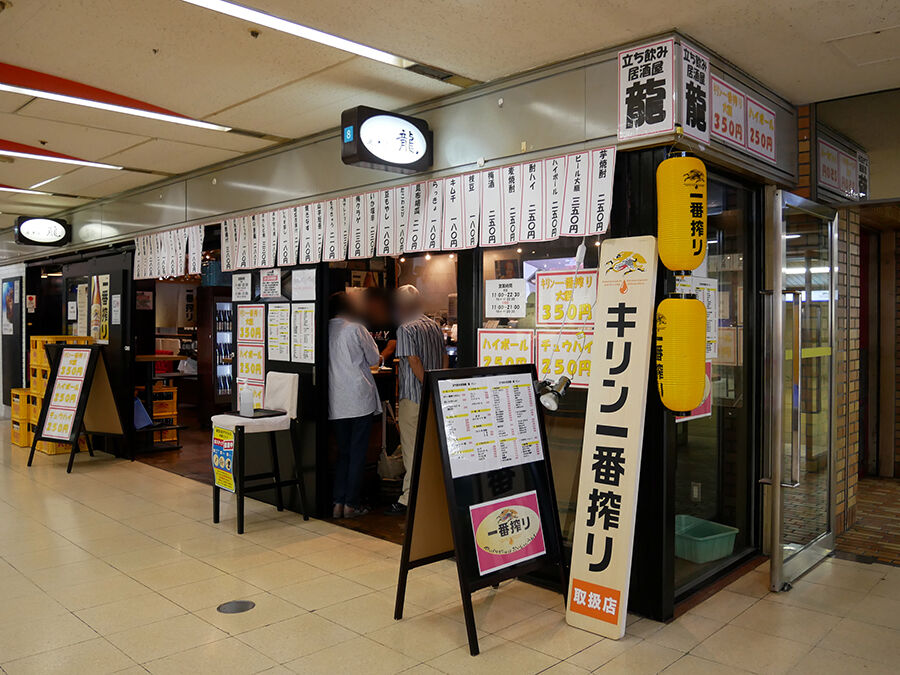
287, 247
849, 176
492, 218
197, 256
223, 458
646, 92
415, 228
565, 298
66, 393
453, 214
760, 130
434, 215
262, 224
471, 208
729, 113
244, 243
163, 259
576, 195
603, 169
358, 235
227, 246
554, 196
251, 346
387, 224
307, 235
331, 245
829, 166
505, 347
401, 203
531, 227
255, 234
303, 332
862, 163
564, 352
272, 231
613, 435
318, 230
279, 332
694, 93
512, 203
372, 209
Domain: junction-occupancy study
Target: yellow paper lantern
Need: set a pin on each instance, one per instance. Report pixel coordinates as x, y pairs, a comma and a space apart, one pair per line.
681, 353
681, 212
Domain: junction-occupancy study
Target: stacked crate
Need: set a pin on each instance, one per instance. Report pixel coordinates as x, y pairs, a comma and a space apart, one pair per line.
165, 411
27, 403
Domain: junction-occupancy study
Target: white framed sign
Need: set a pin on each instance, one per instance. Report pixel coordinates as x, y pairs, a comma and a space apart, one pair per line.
242, 287
646, 90
270, 283
504, 298
303, 284
694, 93
729, 113
278, 329
303, 332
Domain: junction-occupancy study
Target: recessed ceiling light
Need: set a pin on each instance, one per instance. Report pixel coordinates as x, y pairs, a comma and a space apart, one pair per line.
305, 32
43, 182
60, 160
8, 188
99, 105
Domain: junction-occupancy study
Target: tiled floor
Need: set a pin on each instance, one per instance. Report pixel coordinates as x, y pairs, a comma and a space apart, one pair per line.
117, 568
876, 533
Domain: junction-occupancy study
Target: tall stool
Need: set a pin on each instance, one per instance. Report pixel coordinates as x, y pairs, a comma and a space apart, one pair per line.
280, 394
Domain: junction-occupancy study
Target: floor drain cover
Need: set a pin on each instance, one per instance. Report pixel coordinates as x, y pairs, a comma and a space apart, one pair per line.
236, 606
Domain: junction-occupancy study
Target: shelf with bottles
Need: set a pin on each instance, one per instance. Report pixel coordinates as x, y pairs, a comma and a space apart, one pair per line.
223, 384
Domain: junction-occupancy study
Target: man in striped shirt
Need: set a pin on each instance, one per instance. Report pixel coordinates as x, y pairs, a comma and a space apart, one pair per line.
420, 347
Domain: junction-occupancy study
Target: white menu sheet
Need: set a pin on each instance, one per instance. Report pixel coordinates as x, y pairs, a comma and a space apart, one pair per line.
490, 423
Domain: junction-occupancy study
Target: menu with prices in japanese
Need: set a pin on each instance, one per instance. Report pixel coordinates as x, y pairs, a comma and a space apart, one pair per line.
66, 392
490, 423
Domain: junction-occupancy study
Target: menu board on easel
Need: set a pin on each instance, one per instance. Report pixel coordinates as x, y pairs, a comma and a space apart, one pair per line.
481, 486
80, 400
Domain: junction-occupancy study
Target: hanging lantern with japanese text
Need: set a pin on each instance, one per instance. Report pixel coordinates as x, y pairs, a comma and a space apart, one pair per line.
681, 352
681, 212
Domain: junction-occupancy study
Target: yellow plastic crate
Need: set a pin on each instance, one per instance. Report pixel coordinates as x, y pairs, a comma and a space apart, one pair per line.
34, 408
37, 343
52, 448
19, 403
19, 433
167, 436
37, 382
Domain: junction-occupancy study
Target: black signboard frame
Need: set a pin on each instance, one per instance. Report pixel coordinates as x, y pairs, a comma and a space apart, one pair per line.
102, 399
443, 528
355, 153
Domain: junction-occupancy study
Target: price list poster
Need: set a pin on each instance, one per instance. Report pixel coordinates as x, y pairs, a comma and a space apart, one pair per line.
251, 349
66, 393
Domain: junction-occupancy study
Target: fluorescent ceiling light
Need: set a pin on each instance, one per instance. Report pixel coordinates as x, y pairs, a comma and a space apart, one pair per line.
88, 103
43, 182
284, 26
60, 160
4, 188
792, 236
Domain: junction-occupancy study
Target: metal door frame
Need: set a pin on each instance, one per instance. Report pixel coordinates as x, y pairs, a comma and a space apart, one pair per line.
784, 571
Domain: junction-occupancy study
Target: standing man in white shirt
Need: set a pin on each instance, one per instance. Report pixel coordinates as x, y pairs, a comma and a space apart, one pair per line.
352, 401
420, 347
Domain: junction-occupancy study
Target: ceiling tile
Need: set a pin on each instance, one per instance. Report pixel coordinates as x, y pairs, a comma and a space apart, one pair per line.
26, 172
315, 103
163, 155
11, 102
70, 139
100, 182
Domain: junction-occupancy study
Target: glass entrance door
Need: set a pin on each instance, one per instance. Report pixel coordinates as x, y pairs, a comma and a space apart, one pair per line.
798, 471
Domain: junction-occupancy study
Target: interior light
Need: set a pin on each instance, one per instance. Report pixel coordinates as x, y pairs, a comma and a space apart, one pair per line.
58, 160
402, 259
301, 31
550, 394
819, 270
794, 270
43, 182
518, 250
452, 256
427, 256
7, 188
792, 236
596, 243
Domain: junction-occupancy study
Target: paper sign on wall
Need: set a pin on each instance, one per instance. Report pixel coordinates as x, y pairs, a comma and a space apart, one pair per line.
279, 332
729, 113
554, 196
611, 451
531, 218
760, 130
241, 287
471, 185
565, 298
695, 93
646, 90
492, 215
511, 188
453, 237
504, 298
566, 352
303, 284
270, 283
707, 292
434, 215
603, 166
505, 347
303, 332
574, 218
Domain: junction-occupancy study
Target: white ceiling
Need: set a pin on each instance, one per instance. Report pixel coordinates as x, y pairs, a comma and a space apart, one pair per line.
205, 65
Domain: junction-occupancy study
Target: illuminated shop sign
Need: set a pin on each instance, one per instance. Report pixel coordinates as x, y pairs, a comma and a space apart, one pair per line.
377, 139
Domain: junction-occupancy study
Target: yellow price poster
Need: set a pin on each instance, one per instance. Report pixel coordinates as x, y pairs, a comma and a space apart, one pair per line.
251, 362
566, 298
566, 352
505, 347
223, 458
251, 323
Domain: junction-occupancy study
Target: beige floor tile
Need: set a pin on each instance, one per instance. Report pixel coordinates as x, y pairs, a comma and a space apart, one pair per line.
18, 585
358, 655
795, 623
865, 641
134, 561
169, 636
244, 558
691, 665
889, 587
281, 573
52, 557
534, 594
564, 668
878, 610
645, 657
291, 639
603, 652
210, 592
96, 593
644, 628
229, 655
351, 556
421, 669
321, 592
432, 591
366, 613
422, 637
181, 533
686, 632
31, 607
96, 657
821, 661
156, 521
211, 544
819, 598
379, 574
184, 571
854, 578
306, 544
754, 583
744, 648
72, 574
723, 606
269, 609
26, 638
549, 633
133, 541
130, 613
493, 611
496, 657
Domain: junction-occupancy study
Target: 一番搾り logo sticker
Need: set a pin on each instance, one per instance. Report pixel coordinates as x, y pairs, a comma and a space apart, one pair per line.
626, 262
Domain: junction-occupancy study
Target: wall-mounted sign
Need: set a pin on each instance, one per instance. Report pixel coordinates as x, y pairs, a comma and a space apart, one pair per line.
504, 297
42, 231
377, 139
646, 90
